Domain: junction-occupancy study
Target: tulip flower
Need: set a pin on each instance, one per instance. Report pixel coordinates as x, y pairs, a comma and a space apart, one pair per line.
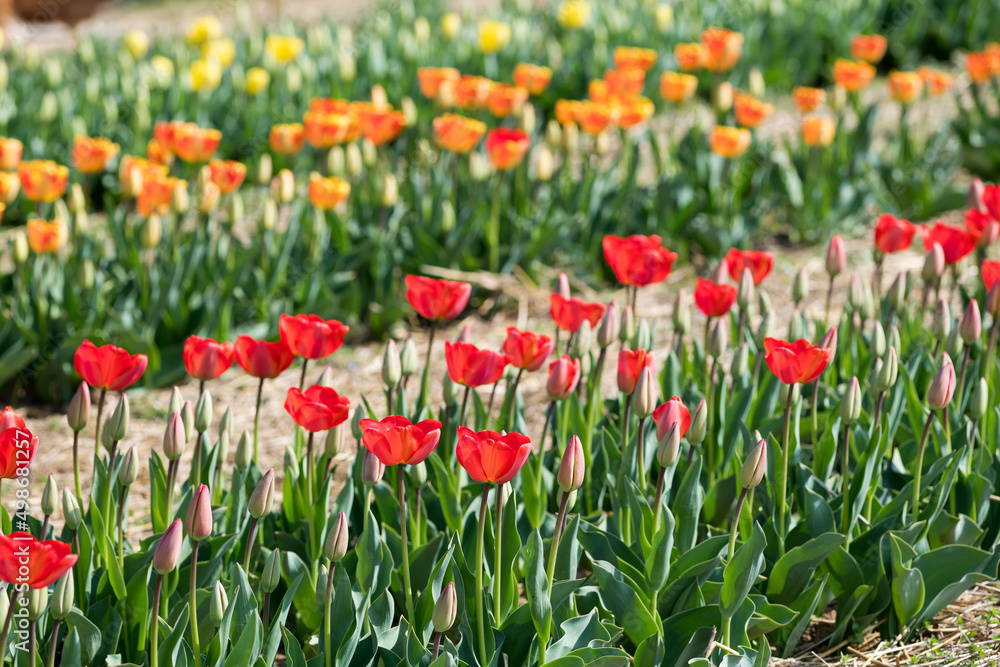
506, 100
287, 138
870, 48
10, 419
491, 457
677, 87
722, 48
327, 193
982, 226
990, 272
458, 134
199, 527
317, 408
851, 75
533, 78
904, 87
437, 300
262, 360
759, 262
956, 242
46, 237
471, 367
751, 112
630, 365
527, 350
808, 99
17, 450
206, 359
818, 131
195, 144
893, 234
107, 367
25, 560
381, 126
564, 374
569, 313
751, 474
431, 79
91, 155
506, 147
637, 260
42, 180
10, 153
714, 299
228, 175
311, 337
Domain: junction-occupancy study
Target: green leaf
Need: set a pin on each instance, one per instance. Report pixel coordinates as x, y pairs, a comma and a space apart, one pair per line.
687, 507
741, 572
622, 597
658, 563
88, 635
536, 585
293, 650
248, 645
273, 640
71, 652
794, 571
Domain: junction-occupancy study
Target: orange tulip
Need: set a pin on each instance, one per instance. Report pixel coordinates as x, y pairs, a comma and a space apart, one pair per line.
431, 78
904, 86
533, 78
853, 75
870, 48
326, 193
157, 194
690, 56
156, 152
472, 91
595, 117
808, 99
329, 105
91, 154
46, 237
722, 48
676, 87
729, 142
43, 180
624, 82
10, 185
507, 147
597, 90
458, 133
381, 126
633, 57
227, 174
10, 153
165, 132
146, 168
195, 144
817, 131
323, 130
751, 112
505, 100
634, 111
287, 138
567, 111
979, 67
938, 82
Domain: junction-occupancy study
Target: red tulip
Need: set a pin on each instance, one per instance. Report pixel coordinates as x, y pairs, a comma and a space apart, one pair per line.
569, 314
991, 200
759, 262
638, 260
262, 359
318, 408
25, 560
311, 336
990, 272
395, 440
630, 364
564, 375
798, 362
982, 226
893, 234
108, 367
956, 242
17, 449
672, 412
714, 299
10, 419
527, 350
472, 367
491, 457
205, 358
437, 299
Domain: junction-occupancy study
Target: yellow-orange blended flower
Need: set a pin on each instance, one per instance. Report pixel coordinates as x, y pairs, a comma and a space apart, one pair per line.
204, 29
91, 154
624, 82
329, 105
573, 14
324, 130
817, 131
157, 194
165, 133
227, 174
472, 91
749, 111
904, 87
597, 91
808, 99
938, 82
729, 142
155, 152
677, 87
431, 78
870, 48
380, 126
633, 111
287, 138
458, 133
196, 144
979, 66
507, 147
505, 100
853, 75
690, 56
595, 117
567, 110
10, 153
493, 35
46, 237
634, 57
533, 78
43, 180
283, 48
722, 48
145, 170
10, 185
327, 193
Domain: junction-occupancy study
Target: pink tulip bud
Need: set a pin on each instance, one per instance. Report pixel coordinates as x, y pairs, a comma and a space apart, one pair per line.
971, 327
262, 497
836, 256
829, 340
644, 399
78, 412
564, 374
942, 388
174, 438
199, 516
933, 264
993, 300
669, 446
572, 466
168, 549
976, 192
607, 330
753, 468
720, 273
371, 469
336, 539
445, 609
562, 286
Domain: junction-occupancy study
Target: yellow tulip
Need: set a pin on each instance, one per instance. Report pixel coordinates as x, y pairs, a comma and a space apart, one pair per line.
223, 51
204, 30
284, 49
664, 17
205, 75
257, 80
493, 35
573, 14
136, 42
451, 25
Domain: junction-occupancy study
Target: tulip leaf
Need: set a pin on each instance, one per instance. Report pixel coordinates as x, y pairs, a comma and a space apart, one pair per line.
293, 650
623, 598
305, 595
741, 572
687, 506
248, 645
88, 635
658, 563
114, 570
805, 606
172, 637
71, 651
794, 571
536, 585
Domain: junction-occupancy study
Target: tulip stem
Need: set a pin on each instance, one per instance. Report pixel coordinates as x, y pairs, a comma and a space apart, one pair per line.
32, 641
5, 633
196, 461
480, 592
154, 632
658, 500
845, 510
497, 531
493, 395
735, 526
992, 347
640, 456
121, 528
465, 403
401, 487
437, 646
508, 419
829, 298
76, 467
623, 526
256, 423
709, 433
554, 547
171, 474
193, 603
249, 548
965, 368
541, 444
302, 377
327, 652
106, 492
425, 378
919, 465
55, 644
782, 489
97, 433
493, 231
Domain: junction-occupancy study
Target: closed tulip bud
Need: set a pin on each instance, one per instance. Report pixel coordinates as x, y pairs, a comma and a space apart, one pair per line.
796, 327
582, 341
269, 218
627, 330
244, 452
293, 76
371, 469
643, 339
877, 343
369, 153
993, 300
896, 296
359, 414
720, 274
203, 413
71, 511
181, 200
829, 340
954, 345
680, 316
78, 412
321, 598
391, 367
336, 540
886, 377
740, 363
447, 215
800, 288
764, 330
528, 119
602, 143
390, 191
62, 596
979, 401
867, 304
235, 207
265, 169
783, 393
285, 191
971, 327
176, 401
119, 421
836, 256
722, 97
933, 265
85, 274
570, 137
175, 437
408, 358
669, 447
421, 30
129, 469
465, 335
262, 498
607, 329
187, 416
353, 160
572, 466
168, 550
752, 471
855, 293
699, 424
20, 246
763, 302
38, 600
718, 339
449, 393
50, 495
479, 166
49, 108
4, 600
77, 200
553, 133
644, 399
151, 232
199, 515
336, 161
417, 474
977, 191
941, 325
850, 404
744, 296
942, 387
271, 576
334, 443
291, 463
545, 163
756, 86
445, 609
217, 604
839, 98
